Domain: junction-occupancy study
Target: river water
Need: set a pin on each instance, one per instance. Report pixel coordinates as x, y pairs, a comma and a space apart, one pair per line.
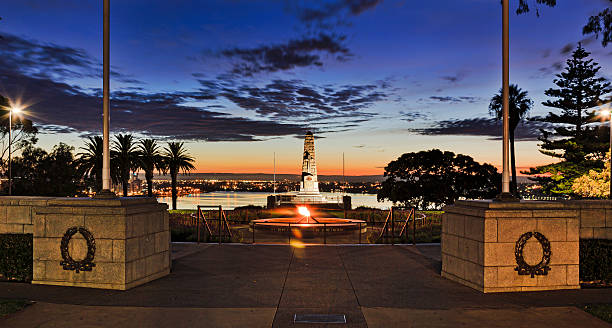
232, 199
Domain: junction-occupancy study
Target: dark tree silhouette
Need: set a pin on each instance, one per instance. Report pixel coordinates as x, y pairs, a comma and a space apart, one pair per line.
431, 179
151, 159
177, 159
520, 105
124, 156
24, 132
600, 24
90, 161
40, 173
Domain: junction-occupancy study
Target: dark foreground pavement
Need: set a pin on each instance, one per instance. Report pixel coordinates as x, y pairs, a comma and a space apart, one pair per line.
263, 286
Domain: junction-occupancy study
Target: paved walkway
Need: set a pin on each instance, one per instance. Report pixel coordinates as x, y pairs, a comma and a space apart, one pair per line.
264, 286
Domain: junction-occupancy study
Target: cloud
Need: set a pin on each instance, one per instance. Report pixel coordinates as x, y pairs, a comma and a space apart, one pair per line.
64, 108
456, 100
43, 71
333, 10
411, 116
457, 77
49, 60
488, 127
296, 100
39, 71
280, 57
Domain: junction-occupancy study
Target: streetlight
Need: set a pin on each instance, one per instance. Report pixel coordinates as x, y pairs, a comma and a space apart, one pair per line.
607, 113
12, 109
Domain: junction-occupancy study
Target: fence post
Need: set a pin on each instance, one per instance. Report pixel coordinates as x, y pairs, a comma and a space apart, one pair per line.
406, 227
198, 222
360, 232
289, 233
392, 227
413, 226
219, 226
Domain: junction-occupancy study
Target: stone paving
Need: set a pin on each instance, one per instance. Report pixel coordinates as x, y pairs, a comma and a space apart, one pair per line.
264, 286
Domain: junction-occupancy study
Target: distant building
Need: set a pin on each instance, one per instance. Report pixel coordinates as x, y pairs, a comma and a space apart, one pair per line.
134, 186
309, 185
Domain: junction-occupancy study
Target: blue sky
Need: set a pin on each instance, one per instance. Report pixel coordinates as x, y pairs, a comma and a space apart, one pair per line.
373, 79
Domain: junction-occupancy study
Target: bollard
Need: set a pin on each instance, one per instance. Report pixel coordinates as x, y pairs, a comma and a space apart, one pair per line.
324, 233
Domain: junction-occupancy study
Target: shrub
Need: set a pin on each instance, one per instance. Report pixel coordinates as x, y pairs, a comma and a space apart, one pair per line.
596, 260
16, 257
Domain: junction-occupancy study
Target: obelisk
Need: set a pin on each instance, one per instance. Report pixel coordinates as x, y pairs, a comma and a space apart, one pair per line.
309, 182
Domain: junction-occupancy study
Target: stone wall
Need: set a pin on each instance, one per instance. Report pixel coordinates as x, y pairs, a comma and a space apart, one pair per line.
16, 213
131, 237
479, 239
595, 218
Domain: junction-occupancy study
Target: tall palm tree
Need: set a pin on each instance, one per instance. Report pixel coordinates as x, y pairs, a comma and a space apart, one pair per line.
151, 159
519, 105
177, 159
90, 160
124, 157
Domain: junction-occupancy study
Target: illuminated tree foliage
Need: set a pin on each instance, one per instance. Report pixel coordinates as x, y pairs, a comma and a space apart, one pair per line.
595, 184
578, 140
431, 179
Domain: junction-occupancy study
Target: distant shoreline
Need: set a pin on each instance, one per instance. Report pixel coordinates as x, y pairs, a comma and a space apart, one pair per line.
267, 177
521, 179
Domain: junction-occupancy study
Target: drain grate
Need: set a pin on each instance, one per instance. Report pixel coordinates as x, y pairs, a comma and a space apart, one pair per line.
319, 318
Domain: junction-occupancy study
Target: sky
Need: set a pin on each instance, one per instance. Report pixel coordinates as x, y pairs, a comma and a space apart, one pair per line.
241, 80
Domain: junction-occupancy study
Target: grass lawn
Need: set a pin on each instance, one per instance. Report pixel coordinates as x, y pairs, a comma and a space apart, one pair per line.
11, 306
602, 311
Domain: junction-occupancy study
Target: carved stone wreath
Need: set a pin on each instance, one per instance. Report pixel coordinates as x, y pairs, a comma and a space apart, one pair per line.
523, 268
68, 262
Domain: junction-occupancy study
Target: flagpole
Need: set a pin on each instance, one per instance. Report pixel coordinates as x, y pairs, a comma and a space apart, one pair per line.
505, 194
106, 179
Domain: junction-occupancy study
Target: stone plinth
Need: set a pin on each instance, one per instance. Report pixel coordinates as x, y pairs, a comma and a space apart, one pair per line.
129, 239
479, 240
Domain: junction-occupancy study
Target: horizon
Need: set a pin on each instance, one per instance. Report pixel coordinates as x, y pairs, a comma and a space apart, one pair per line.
373, 81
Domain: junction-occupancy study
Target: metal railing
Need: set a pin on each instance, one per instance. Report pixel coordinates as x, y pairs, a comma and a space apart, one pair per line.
222, 223
388, 230
214, 224
321, 227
